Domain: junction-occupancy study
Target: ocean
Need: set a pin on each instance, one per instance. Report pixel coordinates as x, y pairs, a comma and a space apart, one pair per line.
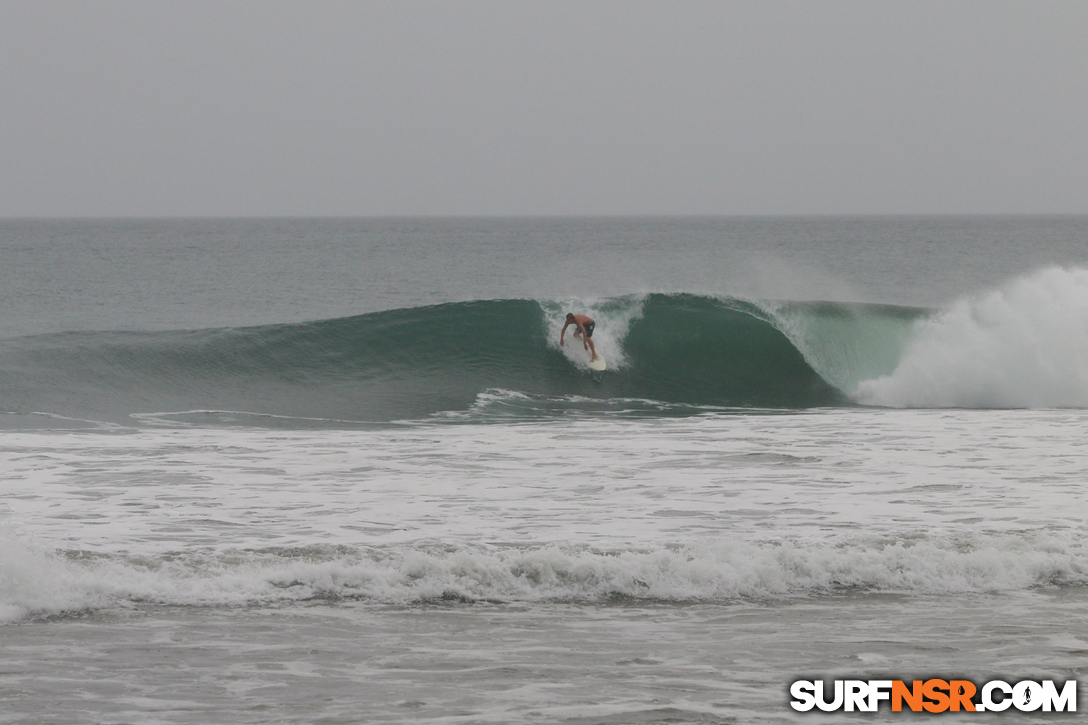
341, 471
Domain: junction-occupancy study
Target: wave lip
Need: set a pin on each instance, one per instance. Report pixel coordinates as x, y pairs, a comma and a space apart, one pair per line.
1024, 345
44, 584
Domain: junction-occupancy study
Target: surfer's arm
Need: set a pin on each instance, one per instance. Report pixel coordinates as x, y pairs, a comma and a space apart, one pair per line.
563, 332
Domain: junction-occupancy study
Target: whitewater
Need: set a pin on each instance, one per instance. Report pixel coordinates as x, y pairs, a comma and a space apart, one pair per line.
739, 509
233, 494
1020, 346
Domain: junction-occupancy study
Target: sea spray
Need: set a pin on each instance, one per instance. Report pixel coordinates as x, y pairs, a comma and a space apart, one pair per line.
1024, 345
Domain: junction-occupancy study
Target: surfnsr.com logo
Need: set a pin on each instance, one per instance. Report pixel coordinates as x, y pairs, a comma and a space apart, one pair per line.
934, 696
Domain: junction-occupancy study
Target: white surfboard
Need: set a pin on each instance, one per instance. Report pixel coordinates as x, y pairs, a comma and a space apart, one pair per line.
598, 364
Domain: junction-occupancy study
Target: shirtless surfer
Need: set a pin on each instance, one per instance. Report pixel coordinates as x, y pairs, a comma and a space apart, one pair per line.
583, 330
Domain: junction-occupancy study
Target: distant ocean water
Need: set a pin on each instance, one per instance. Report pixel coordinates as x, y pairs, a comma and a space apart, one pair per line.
341, 470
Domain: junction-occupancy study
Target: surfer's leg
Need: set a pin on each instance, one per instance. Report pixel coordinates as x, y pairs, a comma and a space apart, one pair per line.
592, 349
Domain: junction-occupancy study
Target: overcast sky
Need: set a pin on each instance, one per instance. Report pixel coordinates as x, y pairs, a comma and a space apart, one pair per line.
149, 108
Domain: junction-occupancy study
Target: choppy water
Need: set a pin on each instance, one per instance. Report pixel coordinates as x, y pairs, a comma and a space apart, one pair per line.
353, 504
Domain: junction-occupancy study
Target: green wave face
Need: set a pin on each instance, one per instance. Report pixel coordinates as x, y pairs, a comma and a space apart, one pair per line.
699, 350
847, 343
410, 363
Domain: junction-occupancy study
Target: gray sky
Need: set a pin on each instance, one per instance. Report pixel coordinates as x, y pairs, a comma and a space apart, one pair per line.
214, 108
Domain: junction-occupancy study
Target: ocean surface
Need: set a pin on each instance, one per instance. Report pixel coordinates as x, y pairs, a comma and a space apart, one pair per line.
341, 471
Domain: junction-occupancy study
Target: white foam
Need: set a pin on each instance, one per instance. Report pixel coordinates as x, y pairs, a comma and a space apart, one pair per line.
32, 580
727, 570
713, 506
1022, 346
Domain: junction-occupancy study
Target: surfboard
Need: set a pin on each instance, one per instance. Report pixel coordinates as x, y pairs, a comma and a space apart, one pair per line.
598, 364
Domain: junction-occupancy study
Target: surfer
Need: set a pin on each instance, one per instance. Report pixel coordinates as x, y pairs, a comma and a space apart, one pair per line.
583, 330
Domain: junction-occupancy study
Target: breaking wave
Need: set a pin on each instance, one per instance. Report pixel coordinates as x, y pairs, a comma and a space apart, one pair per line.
1024, 345
40, 584
410, 363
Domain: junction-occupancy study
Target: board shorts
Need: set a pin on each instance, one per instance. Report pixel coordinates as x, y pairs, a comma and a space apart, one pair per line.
589, 328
